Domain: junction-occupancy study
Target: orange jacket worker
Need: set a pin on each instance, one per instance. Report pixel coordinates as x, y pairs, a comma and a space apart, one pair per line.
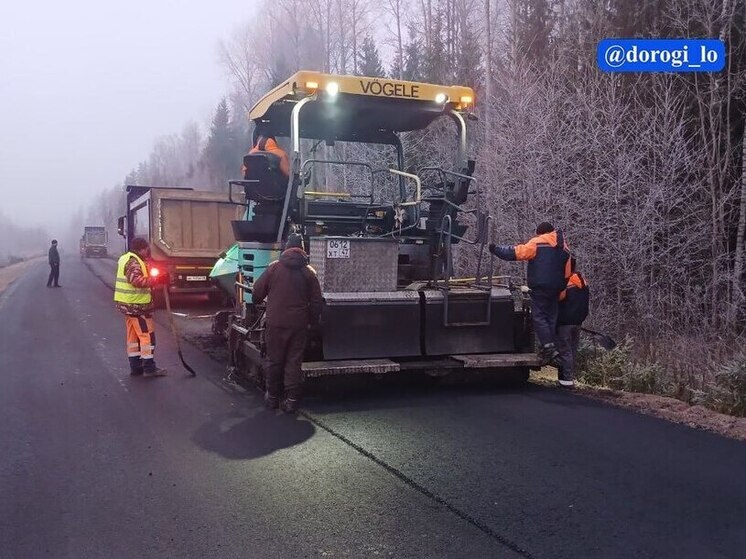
548, 270
268, 144
573, 310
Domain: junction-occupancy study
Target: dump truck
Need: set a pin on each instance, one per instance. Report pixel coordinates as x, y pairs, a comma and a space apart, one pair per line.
381, 233
94, 241
187, 230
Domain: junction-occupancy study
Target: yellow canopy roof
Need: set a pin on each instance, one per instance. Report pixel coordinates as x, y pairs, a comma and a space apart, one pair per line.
356, 108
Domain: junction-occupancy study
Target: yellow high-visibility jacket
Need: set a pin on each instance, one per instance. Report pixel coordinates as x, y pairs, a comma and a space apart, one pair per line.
124, 291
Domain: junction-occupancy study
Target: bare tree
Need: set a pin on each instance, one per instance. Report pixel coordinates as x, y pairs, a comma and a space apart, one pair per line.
239, 56
395, 9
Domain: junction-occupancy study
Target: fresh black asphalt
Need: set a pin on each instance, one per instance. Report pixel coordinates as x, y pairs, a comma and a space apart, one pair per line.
94, 463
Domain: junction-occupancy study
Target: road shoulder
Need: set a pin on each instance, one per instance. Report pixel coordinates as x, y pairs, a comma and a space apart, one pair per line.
11, 273
663, 407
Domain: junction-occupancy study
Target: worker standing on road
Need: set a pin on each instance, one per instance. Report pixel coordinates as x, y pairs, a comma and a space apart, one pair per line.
548, 272
133, 299
573, 310
294, 304
54, 266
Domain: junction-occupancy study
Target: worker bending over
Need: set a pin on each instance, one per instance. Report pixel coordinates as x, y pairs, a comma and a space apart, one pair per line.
548, 272
133, 298
573, 310
294, 304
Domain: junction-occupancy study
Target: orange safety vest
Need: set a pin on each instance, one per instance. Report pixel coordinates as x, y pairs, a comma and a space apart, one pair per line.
268, 145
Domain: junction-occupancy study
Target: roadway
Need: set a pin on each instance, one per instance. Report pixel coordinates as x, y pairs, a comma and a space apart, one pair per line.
95, 463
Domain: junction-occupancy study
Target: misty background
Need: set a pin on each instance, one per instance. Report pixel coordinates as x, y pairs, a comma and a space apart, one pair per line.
85, 89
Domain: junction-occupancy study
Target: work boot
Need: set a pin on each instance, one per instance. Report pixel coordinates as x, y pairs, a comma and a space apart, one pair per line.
136, 366
290, 405
155, 372
272, 402
566, 384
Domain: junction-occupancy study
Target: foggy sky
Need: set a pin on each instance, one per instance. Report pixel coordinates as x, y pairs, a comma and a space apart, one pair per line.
87, 85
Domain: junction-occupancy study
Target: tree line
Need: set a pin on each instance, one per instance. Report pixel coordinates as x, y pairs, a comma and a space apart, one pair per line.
644, 172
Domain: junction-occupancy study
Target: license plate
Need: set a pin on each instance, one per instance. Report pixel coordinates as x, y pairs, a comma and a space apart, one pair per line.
196, 278
337, 248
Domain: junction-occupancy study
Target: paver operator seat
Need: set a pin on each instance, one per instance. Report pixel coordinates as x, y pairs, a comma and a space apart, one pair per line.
266, 187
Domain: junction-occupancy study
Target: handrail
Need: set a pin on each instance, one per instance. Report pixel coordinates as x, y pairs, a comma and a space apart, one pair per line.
443, 174
401, 204
329, 194
309, 162
243, 183
447, 246
459, 237
243, 286
488, 222
446, 230
418, 182
415, 203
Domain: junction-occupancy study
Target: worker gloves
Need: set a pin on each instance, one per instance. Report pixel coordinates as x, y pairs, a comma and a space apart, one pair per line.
496, 249
504, 252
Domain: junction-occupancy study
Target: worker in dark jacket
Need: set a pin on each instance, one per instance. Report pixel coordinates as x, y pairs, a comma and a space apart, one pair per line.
573, 310
294, 303
548, 271
54, 266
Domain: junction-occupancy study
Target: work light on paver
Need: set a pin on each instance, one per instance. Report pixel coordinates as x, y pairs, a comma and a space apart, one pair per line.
332, 88
441, 98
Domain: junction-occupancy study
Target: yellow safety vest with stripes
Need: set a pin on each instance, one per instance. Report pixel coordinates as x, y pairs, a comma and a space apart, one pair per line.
124, 291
